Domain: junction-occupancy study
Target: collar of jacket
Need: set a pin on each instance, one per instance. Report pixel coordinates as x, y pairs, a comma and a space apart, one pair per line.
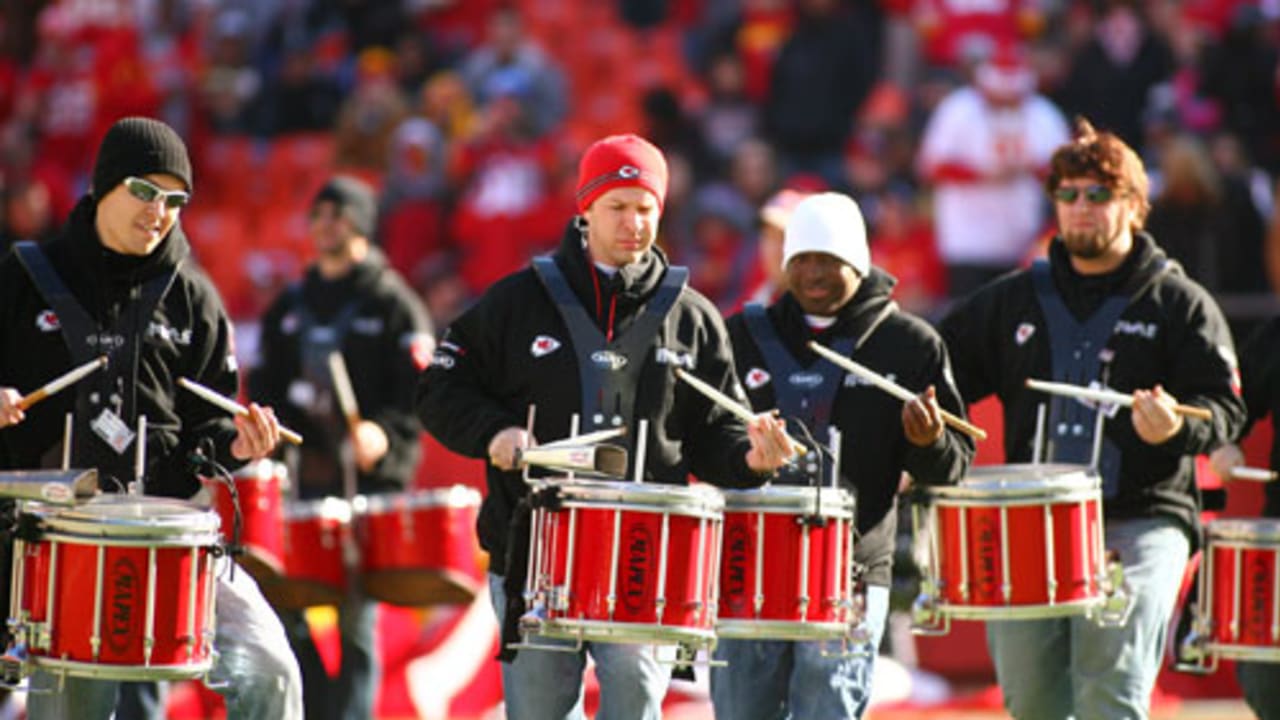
852, 320
1145, 263
632, 284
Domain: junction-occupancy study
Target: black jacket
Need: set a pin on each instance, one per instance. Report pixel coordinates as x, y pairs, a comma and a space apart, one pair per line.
387, 344
1171, 333
188, 335
874, 450
488, 371
1260, 373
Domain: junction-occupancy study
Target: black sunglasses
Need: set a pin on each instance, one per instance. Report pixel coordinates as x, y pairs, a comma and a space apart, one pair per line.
148, 192
1095, 194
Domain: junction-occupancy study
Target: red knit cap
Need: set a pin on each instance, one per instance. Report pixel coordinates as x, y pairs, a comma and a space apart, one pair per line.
621, 161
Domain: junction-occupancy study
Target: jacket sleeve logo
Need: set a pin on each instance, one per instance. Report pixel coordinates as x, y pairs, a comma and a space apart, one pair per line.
756, 378
1024, 333
47, 321
543, 345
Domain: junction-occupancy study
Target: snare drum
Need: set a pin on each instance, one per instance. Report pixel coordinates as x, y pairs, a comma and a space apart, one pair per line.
119, 588
1240, 590
625, 562
317, 538
1014, 542
260, 487
787, 563
419, 548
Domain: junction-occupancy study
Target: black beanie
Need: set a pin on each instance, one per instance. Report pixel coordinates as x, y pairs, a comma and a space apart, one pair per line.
355, 200
138, 146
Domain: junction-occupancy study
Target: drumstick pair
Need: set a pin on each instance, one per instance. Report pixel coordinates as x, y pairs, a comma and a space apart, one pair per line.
894, 389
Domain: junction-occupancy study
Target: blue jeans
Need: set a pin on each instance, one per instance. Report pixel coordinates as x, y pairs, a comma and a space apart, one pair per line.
777, 679
1261, 684
547, 685
1074, 668
255, 671
352, 695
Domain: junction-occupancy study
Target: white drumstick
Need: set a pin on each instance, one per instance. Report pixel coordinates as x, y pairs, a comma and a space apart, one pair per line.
589, 438
60, 383
231, 406
342, 388
1108, 396
1251, 473
894, 389
728, 403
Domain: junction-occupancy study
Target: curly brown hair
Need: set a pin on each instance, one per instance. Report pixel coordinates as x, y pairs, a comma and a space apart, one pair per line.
1104, 156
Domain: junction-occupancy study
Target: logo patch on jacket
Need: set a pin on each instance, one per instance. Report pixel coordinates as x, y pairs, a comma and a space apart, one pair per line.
756, 378
543, 345
1024, 333
674, 358
47, 321
421, 346
807, 380
1133, 327
609, 360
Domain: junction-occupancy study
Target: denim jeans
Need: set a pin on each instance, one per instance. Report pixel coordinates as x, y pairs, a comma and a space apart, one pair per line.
547, 685
352, 694
1074, 668
778, 679
1261, 684
255, 671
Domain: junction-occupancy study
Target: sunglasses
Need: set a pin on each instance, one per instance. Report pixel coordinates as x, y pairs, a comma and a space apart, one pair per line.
1095, 194
148, 192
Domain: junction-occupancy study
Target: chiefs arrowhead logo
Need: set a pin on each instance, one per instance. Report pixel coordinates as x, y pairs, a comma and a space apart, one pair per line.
47, 321
1024, 333
755, 378
544, 345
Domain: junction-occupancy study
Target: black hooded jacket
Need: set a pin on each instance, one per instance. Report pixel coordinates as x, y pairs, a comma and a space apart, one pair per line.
874, 449
1171, 333
187, 335
493, 363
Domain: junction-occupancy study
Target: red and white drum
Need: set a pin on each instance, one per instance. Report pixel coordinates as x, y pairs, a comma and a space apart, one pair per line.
1239, 607
1012, 542
787, 563
419, 548
260, 488
625, 562
121, 587
317, 548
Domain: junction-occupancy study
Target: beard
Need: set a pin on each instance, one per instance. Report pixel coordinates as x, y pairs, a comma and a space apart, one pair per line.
1087, 245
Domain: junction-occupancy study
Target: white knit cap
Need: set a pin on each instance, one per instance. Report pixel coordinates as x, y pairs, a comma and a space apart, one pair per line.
828, 223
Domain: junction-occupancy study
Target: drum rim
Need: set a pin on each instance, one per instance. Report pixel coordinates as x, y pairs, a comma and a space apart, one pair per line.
1262, 530
187, 520
453, 496
110, 671
834, 502
620, 631
743, 629
328, 508
1026, 480
694, 499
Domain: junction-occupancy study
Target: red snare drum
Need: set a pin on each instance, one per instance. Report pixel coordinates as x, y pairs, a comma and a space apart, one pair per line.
419, 548
118, 588
260, 487
1014, 542
787, 563
317, 535
625, 562
1240, 590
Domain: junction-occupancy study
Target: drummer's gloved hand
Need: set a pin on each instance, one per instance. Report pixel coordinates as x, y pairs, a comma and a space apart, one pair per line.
9, 412
771, 447
1153, 416
922, 418
504, 447
1226, 458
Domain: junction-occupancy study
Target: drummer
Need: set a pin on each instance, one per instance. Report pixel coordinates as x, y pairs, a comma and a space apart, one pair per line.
120, 280
838, 299
604, 348
1260, 373
1106, 305
349, 301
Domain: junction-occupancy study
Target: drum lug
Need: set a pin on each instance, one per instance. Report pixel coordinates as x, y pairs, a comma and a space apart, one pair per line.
1191, 655
925, 616
1117, 600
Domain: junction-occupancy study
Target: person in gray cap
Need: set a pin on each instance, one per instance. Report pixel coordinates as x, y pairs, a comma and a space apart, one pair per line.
120, 280
352, 302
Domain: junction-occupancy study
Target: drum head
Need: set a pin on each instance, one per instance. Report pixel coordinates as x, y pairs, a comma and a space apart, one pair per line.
1020, 481
793, 500
1246, 530
132, 516
690, 500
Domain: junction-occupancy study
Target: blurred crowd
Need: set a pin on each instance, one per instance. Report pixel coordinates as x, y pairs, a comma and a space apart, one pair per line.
939, 116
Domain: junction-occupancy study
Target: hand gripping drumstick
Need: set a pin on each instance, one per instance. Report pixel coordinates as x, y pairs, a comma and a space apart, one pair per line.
60, 383
1108, 396
346, 394
894, 389
728, 403
231, 406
